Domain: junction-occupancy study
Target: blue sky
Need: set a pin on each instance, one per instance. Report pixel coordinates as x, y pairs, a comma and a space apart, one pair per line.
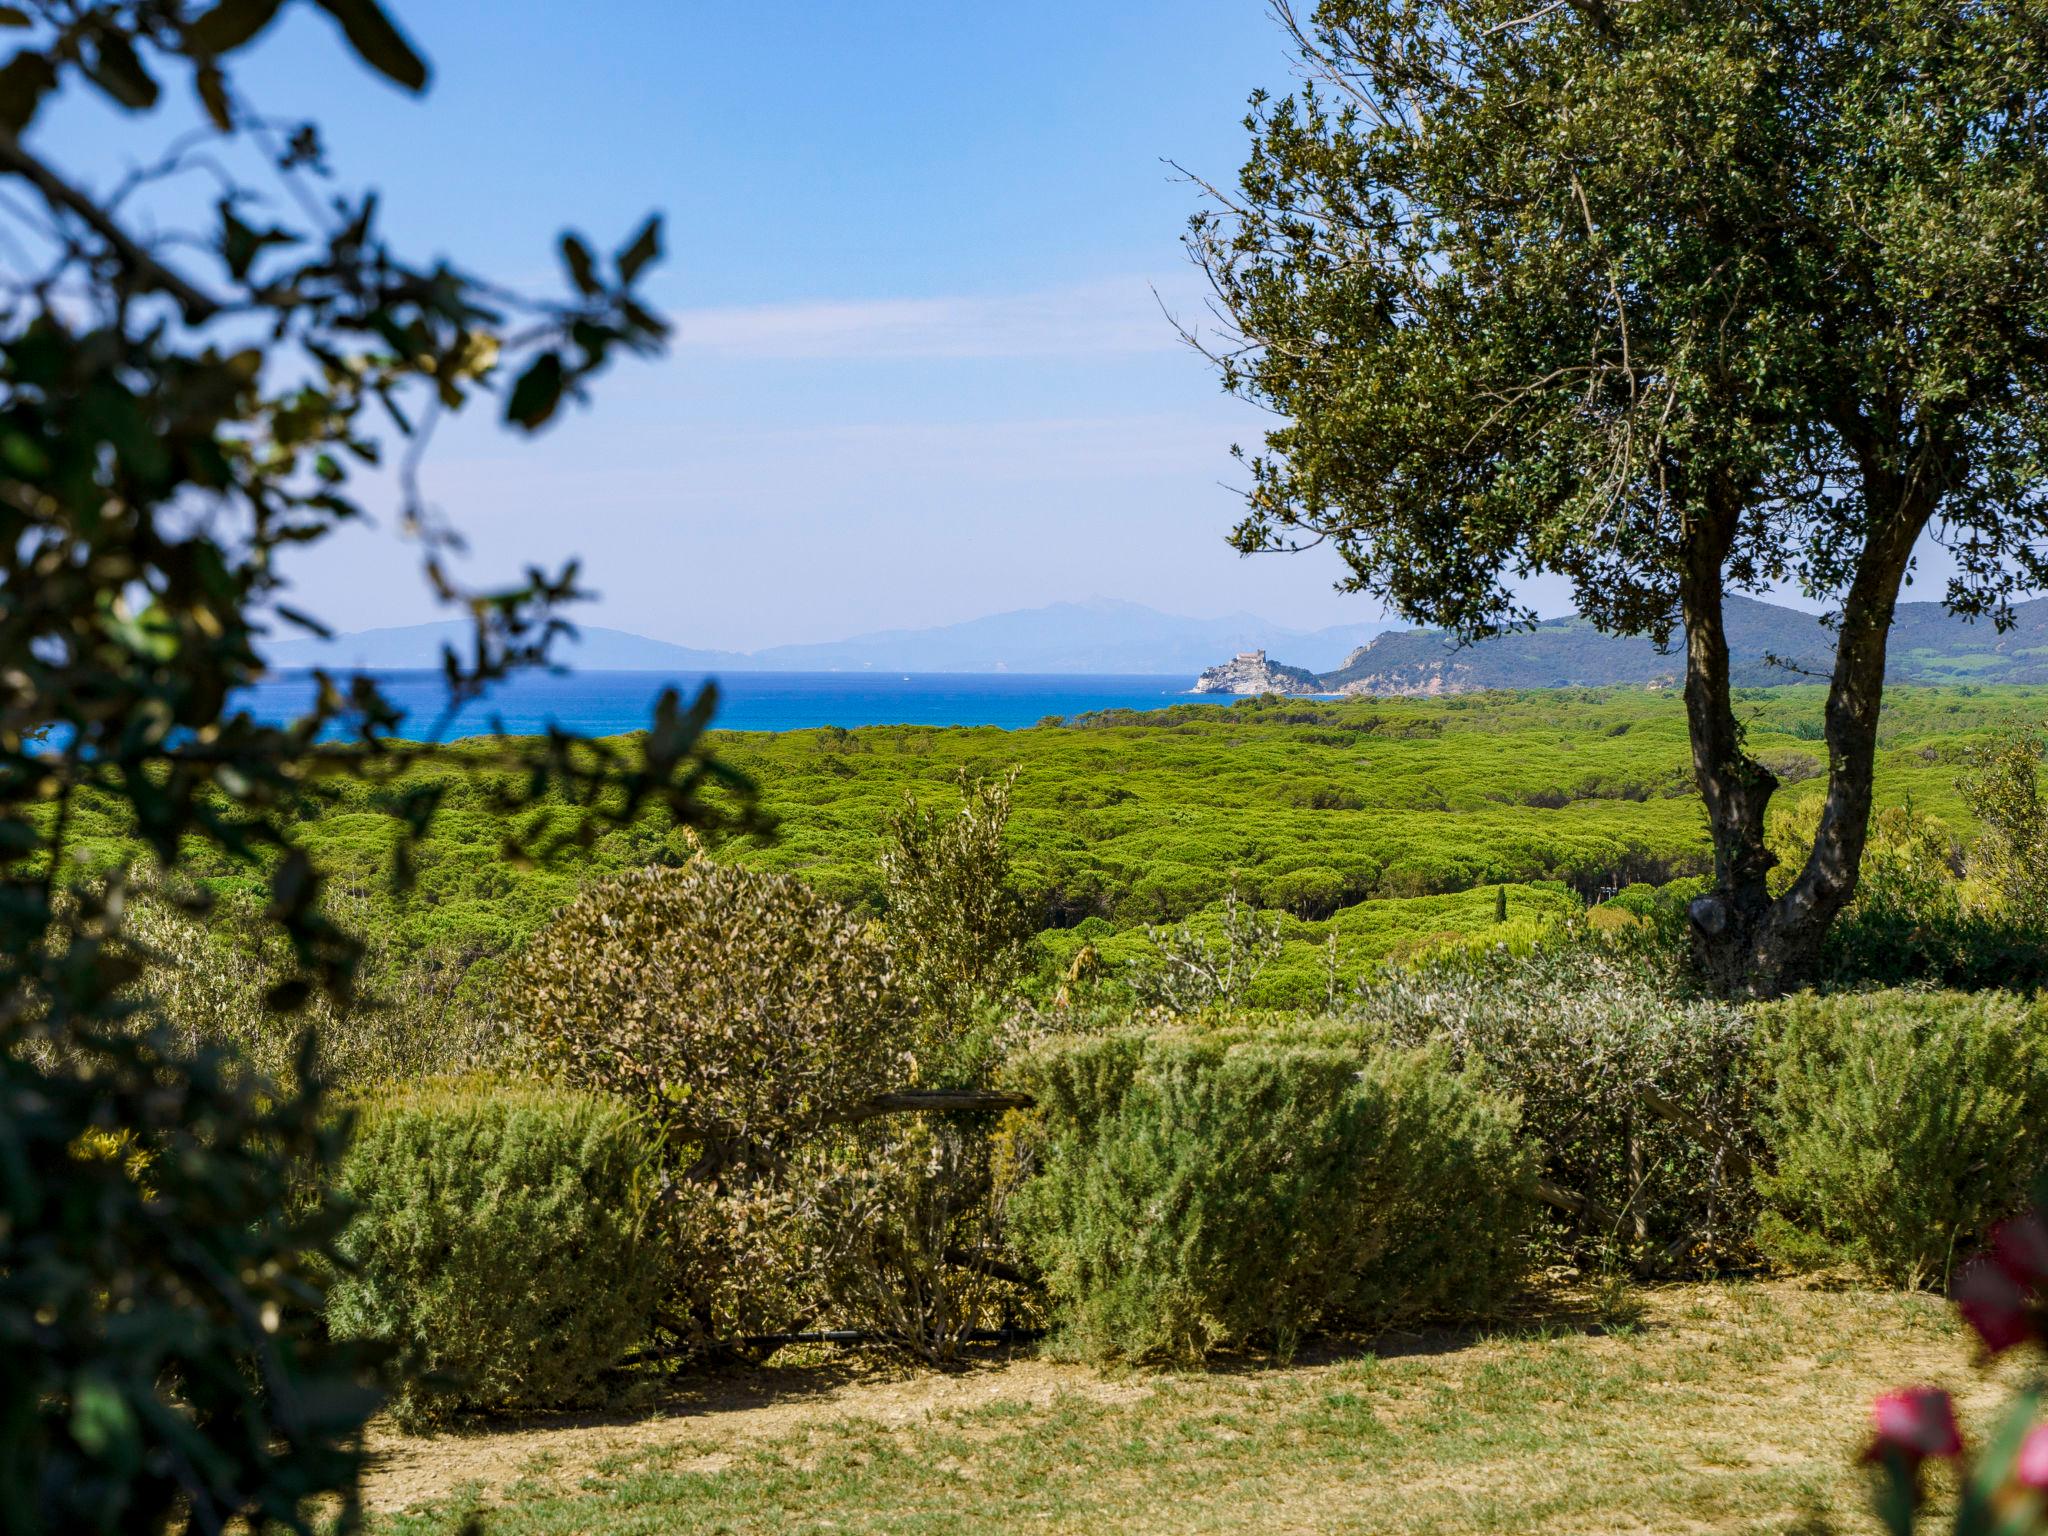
920, 371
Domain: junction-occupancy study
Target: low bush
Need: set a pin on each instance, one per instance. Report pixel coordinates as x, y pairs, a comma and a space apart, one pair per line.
205, 979
501, 1243
1900, 1124
1196, 1192
1877, 943
739, 1010
1639, 1101
1913, 920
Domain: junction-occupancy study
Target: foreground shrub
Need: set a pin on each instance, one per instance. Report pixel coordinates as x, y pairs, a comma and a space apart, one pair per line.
160, 1344
1639, 1101
1900, 1124
1195, 1193
740, 1010
501, 1243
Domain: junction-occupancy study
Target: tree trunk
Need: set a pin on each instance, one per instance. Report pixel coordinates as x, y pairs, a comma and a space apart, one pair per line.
1744, 943
1736, 788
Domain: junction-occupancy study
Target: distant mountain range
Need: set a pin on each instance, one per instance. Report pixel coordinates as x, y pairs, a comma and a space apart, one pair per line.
1928, 645
1100, 637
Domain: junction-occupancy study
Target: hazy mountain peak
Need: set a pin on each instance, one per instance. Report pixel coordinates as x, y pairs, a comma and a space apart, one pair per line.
1097, 635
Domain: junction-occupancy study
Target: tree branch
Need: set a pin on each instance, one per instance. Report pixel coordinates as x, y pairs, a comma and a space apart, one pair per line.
197, 306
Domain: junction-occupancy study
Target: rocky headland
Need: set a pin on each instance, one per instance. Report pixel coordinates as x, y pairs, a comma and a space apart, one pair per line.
1769, 645
1250, 673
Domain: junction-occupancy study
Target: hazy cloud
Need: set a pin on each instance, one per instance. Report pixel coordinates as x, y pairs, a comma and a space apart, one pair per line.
1112, 317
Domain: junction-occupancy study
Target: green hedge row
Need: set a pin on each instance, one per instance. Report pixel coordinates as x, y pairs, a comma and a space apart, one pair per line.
501, 1241
1195, 1192
1245, 1183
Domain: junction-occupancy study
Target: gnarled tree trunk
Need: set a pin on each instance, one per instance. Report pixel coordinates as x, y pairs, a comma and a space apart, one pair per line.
1745, 943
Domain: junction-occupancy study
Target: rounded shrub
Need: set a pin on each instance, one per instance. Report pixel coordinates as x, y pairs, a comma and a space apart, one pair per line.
739, 1009
1641, 1103
1900, 1125
501, 1242
1196, 1193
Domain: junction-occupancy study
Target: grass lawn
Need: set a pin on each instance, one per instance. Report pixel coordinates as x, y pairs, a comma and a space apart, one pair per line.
1698, 1408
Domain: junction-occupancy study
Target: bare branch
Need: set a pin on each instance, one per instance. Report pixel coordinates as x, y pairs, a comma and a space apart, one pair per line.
198, 307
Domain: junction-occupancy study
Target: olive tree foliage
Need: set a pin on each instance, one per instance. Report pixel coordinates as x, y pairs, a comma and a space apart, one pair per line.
748, 1018
739, 1009
1667, 299
197, 362
1185, 973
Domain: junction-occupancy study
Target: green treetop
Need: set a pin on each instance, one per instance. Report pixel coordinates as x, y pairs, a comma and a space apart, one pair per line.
1667, 298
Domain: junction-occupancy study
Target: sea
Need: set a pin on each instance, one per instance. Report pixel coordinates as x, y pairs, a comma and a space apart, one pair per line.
610, 703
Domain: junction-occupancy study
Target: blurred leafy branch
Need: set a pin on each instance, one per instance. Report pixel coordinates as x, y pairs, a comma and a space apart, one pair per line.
180, 408
206, 367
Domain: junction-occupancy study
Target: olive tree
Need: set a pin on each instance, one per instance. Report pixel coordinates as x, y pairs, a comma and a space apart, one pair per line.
197, 362
1668, 298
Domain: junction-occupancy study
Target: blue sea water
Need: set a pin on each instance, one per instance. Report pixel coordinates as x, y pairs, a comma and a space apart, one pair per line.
608, 703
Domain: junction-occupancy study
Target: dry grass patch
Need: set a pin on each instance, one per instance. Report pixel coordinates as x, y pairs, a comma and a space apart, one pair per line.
1721, 1408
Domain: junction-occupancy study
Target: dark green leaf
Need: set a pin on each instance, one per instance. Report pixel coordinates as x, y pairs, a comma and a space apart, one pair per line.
230, 24
240, 244
640, 250
304, 621
117, 71
537, 393
24, 80
101, 1420
213, 96
23, 454
582, 267
377, 42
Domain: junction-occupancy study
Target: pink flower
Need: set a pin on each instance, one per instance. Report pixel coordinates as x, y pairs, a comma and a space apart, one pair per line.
2021, 1248
1992, 1302
2032, 1466
1915, 1423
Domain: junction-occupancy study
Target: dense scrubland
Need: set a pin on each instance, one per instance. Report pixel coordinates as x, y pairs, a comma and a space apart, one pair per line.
1389, 826
1251, 1029
1273, 1023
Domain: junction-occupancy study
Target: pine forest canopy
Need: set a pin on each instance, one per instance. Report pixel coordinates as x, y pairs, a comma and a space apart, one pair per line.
1671, 299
